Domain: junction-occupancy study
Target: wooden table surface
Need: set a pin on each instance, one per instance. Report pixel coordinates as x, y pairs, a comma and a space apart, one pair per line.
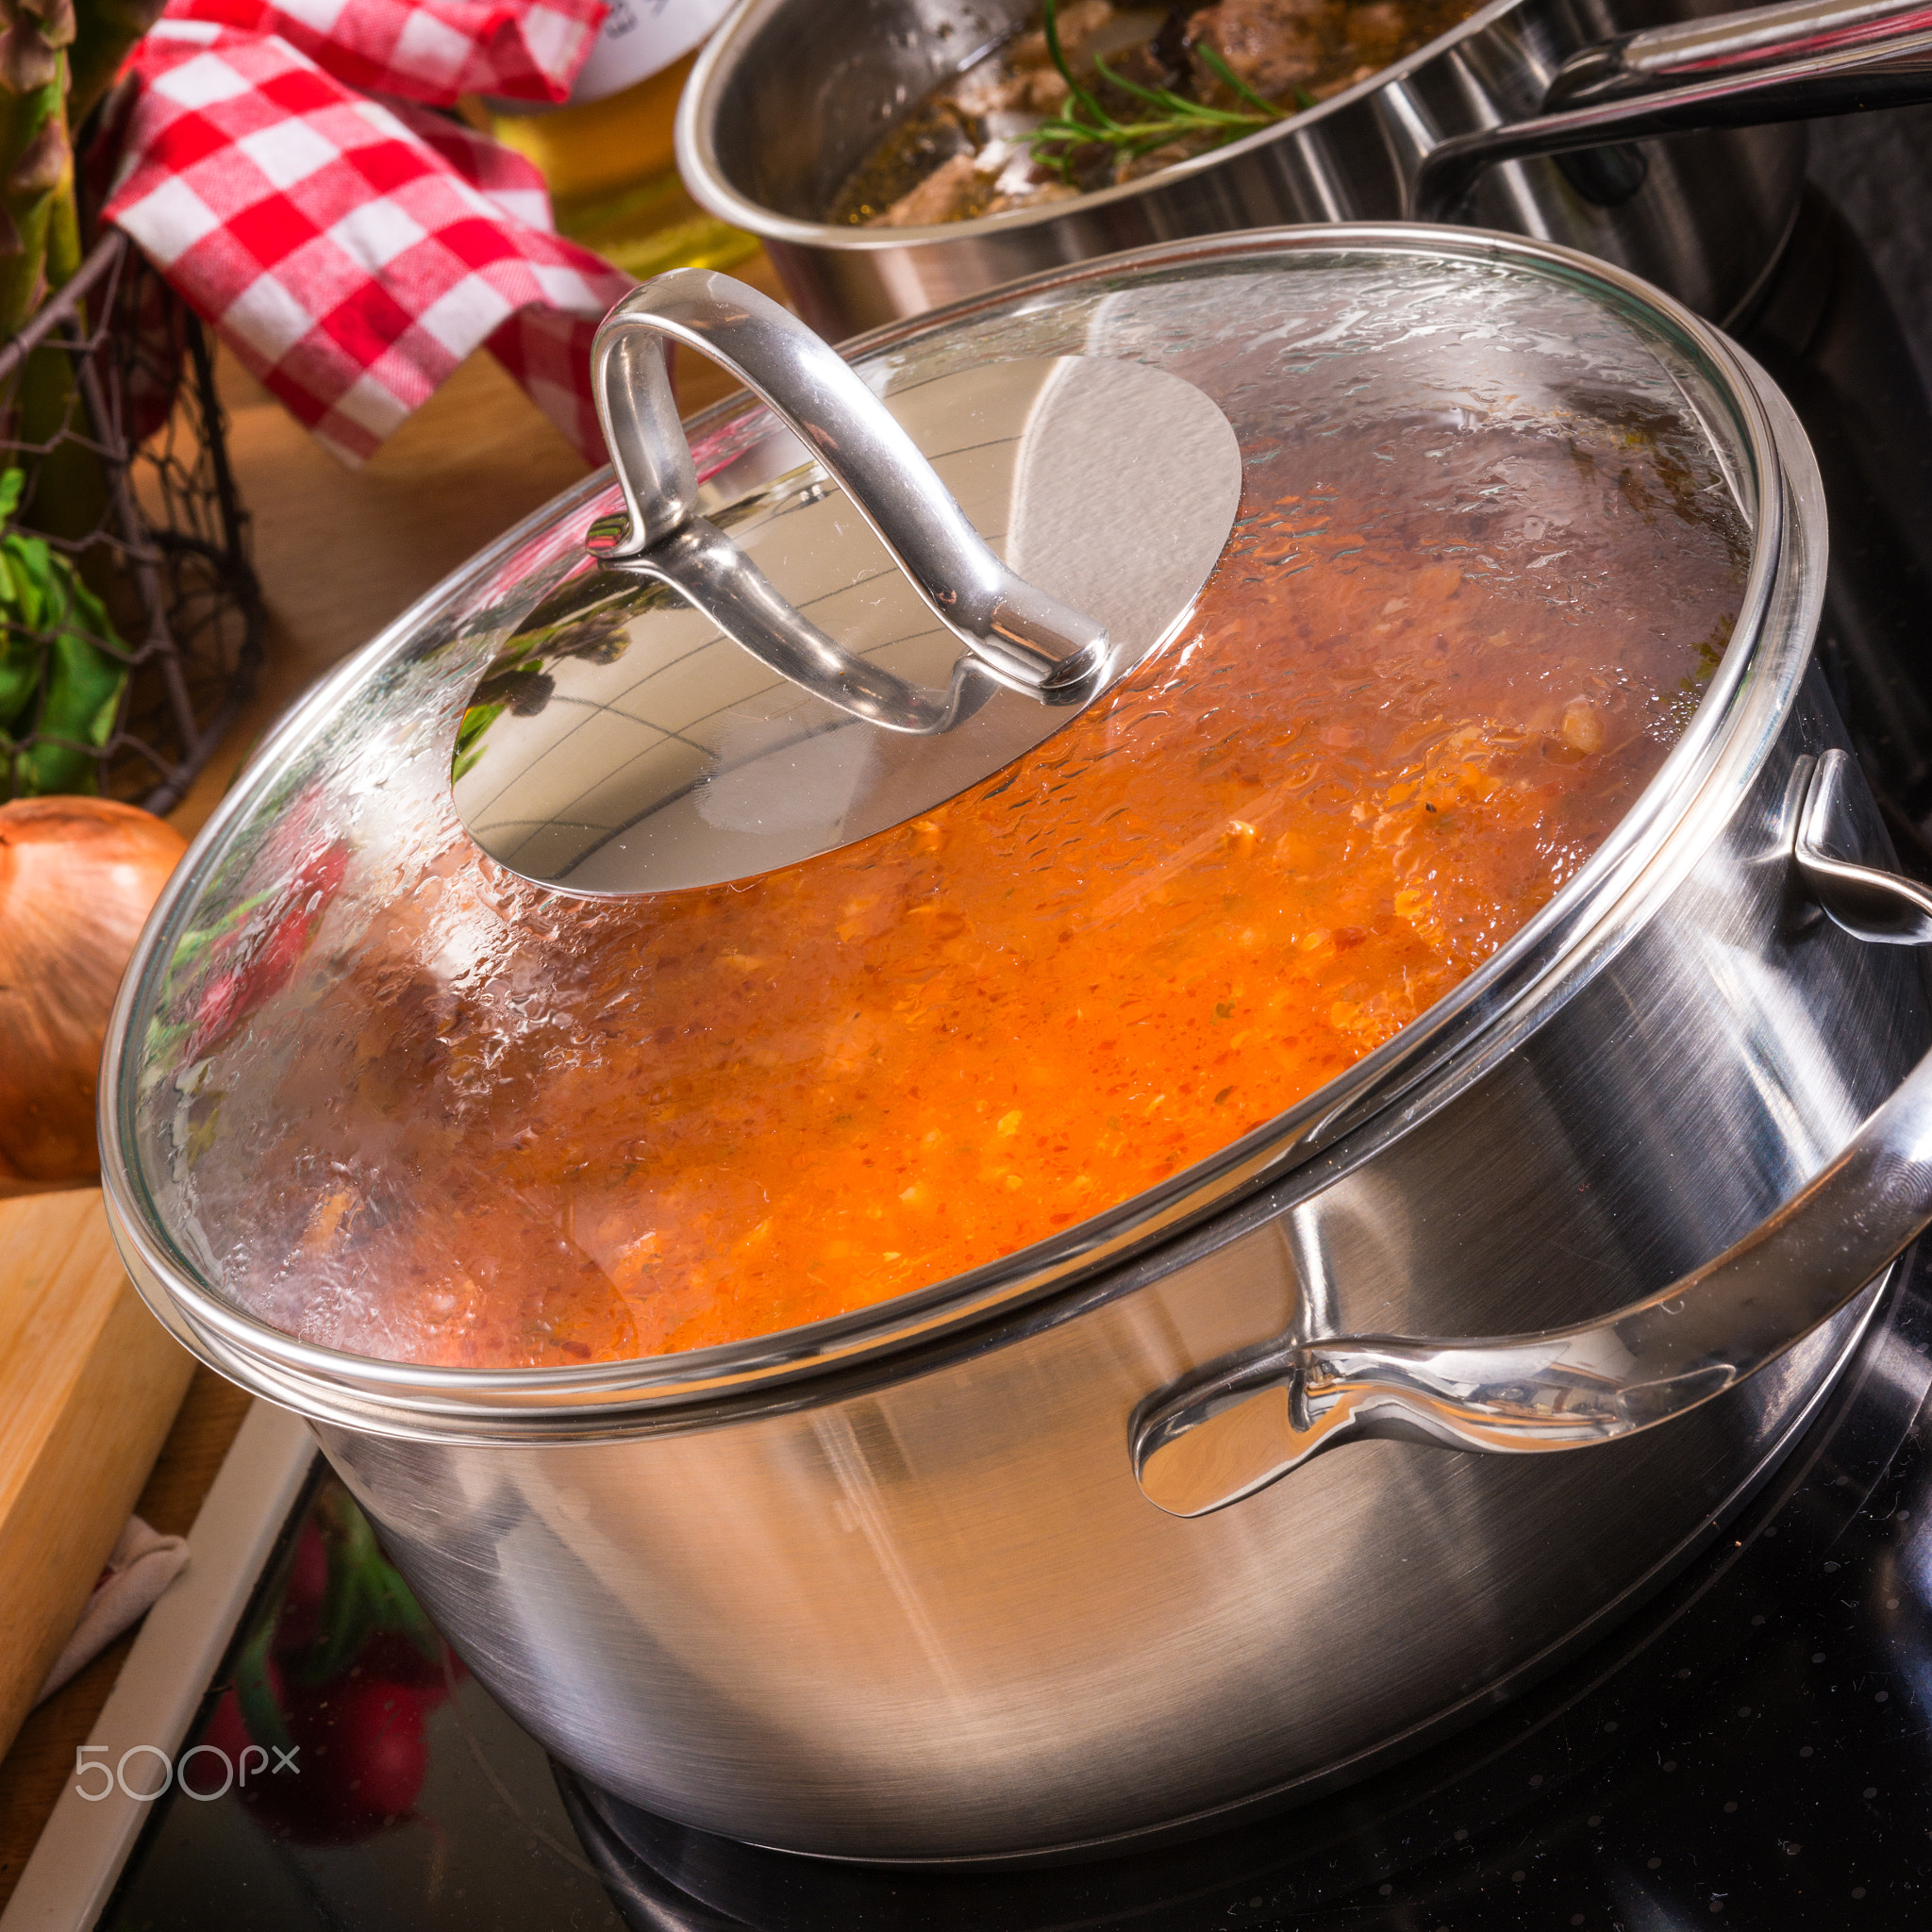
340, 553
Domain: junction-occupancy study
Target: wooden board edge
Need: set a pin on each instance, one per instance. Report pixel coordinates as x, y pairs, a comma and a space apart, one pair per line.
69, 1509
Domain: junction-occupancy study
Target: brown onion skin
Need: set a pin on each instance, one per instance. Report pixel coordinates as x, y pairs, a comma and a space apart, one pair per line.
78, 876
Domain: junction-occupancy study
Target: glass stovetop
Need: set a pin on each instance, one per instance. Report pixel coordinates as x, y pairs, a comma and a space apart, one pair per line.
1753, 1746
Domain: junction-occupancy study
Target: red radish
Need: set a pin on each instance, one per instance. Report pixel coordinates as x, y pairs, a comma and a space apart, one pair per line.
378, 1755
393, 1657
355, 1755
253, 962
303, 1594
226, 1734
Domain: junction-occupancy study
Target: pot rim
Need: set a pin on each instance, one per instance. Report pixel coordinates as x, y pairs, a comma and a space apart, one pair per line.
704, 176
1380, 1097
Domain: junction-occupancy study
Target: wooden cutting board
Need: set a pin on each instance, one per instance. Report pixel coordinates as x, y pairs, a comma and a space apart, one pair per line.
89, 1383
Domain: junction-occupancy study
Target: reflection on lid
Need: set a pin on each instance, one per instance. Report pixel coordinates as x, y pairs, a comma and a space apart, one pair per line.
620, 743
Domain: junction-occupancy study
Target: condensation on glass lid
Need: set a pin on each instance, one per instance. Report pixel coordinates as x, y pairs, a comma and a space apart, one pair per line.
621, 742
525, 1129
1489, 548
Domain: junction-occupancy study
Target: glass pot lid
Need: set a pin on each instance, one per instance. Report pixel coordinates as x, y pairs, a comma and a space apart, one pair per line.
393, 1095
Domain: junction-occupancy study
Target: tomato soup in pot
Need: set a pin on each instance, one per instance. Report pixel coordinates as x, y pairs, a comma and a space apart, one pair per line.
1431, 670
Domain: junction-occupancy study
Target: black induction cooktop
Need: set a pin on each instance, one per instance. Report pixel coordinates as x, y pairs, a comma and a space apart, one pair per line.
1752, 1747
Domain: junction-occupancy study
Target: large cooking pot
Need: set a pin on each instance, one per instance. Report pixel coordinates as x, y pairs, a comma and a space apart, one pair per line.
1272, 1470
788, 96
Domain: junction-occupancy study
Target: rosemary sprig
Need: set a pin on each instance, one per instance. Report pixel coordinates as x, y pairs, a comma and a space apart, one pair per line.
1085, 123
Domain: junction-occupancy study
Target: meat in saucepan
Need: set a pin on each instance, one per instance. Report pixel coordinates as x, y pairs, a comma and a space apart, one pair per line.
1127, 91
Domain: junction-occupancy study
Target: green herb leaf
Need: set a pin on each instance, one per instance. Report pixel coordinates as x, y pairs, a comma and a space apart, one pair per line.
1050, 22
1227, 73
63, 672
1086, 124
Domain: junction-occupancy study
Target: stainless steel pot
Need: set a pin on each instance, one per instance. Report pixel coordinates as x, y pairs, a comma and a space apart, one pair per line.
788, 96
1059, 1550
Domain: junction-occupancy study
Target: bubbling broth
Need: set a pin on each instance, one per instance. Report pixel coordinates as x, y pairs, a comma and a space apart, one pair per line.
1386, 737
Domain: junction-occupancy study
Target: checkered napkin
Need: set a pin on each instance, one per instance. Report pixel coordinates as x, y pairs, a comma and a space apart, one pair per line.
284, 170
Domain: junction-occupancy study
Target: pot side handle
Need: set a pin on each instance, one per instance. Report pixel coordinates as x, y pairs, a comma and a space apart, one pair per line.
1798, 62
1241, 1423
1016, 633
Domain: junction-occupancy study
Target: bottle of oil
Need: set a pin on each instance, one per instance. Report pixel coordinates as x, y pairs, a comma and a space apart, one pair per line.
606, 153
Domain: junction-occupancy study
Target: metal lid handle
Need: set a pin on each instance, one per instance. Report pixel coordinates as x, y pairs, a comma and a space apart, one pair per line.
1239, 1425
1015, 632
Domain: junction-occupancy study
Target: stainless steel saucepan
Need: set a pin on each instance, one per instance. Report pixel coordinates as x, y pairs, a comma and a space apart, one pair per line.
790, 95
1260, 1475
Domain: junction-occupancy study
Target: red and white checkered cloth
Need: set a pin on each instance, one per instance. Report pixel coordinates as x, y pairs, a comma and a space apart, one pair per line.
284, 171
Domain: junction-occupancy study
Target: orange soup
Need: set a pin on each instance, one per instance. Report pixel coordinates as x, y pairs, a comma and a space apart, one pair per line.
538, 1131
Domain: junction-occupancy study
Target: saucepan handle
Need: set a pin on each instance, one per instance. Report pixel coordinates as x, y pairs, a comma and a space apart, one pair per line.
1016, 633
1793, 62
1241, 1423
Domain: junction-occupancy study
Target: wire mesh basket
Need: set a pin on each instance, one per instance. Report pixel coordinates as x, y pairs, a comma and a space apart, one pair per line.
131, 618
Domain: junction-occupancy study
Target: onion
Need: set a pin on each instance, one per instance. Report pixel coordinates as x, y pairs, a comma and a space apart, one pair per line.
78, 876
